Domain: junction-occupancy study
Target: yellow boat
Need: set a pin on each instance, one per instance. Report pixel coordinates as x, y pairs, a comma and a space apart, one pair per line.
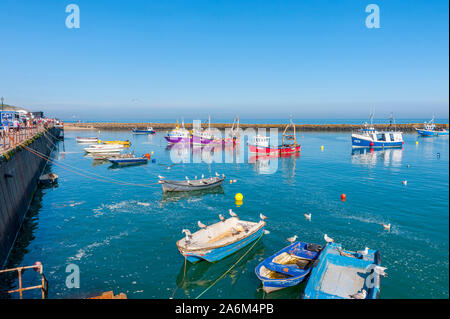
126, 143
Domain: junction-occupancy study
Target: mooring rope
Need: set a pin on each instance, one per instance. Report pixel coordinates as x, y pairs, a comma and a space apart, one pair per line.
101, 179
226, 272
182, 281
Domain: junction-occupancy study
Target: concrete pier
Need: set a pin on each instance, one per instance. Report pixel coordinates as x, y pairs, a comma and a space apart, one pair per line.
19, 173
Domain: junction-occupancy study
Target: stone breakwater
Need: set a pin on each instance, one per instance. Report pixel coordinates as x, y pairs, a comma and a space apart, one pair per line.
410, 127
19, 173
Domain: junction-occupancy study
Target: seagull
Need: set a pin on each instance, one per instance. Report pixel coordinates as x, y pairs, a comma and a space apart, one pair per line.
203, 176
380, 270
292, 239
161, 177
387, 226
328, 239
262, 217
201, 225
217, 174
221, 217
307, 216
168, 166
405, 182
364, 252
359, 295
188, 234
233, 214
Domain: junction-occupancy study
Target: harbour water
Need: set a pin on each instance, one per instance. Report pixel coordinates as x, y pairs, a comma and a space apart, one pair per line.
123, 237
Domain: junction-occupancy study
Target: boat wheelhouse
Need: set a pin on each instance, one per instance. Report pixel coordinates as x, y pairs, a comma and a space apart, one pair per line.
178, 135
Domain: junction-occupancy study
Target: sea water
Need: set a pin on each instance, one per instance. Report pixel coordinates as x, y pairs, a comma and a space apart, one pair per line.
120, 230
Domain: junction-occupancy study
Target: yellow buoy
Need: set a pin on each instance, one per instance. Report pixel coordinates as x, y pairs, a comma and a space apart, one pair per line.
239, 203
417, 142
238, 197
321, 147
152, 152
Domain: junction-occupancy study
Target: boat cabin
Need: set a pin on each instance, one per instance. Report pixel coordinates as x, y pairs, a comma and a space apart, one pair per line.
260, 140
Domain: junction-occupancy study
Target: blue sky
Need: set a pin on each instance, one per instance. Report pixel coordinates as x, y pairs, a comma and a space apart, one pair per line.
261, 59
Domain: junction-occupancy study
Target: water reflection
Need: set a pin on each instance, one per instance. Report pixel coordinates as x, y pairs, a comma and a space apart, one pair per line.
389, 157
173, 197
268, 164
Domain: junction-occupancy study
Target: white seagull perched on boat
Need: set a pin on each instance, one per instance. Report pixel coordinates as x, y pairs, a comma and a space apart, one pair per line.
262, 216
380, 270
360, 295
364, 252
328, 239
292, 239
387, 226
187, 233
233, 214
221, 218
307, 216
201, 225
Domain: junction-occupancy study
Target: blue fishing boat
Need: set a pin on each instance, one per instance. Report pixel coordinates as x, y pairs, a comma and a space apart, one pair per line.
288, 267
343, 274
429, 129
369, 137
149, 130
217, 241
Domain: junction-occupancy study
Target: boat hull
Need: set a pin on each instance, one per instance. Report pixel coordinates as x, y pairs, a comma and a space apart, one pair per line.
173, 186
280, 150
368, 143
176, 140
431, 133
198, 140
152, 132
222, 252
128, 161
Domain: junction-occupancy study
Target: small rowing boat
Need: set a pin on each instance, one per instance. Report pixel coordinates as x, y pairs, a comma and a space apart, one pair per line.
48, 179
191, 185
219, 240
344, 274
124, 143
149, 130
288, 267
116, 149
87, 139
130, 159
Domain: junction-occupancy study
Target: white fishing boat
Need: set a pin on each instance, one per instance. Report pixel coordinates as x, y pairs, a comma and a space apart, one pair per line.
103, 150
87, 139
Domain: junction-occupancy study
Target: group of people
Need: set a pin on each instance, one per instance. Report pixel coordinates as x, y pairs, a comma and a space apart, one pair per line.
18, 124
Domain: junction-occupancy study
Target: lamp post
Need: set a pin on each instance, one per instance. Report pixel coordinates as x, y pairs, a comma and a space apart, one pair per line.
2, 101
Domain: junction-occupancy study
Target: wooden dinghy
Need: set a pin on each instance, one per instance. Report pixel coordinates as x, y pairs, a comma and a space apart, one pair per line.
191, 185
48, 179
287, 267
219, 240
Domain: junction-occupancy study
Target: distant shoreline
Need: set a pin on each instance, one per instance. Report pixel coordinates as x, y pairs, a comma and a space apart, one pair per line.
410, 127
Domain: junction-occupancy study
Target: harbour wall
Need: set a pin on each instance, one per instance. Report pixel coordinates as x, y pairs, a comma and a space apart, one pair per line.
410, 127
19, 173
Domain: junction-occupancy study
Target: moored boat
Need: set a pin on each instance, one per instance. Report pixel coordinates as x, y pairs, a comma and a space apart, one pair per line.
261, 144
191, 185
369, 137
47, 179
124, 143
87, 139
178, 135
344, 274
287, 267
129, 159
429, 129
115, 149
217, 241
149, 130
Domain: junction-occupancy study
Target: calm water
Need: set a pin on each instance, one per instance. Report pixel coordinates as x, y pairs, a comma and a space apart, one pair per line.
123, 237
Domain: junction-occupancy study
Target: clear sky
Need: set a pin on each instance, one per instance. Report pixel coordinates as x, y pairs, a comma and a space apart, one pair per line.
154, 59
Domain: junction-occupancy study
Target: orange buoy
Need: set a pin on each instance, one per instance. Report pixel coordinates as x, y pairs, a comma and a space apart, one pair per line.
343, 197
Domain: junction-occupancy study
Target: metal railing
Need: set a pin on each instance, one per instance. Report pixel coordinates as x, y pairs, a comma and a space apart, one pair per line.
12, 137
38, 268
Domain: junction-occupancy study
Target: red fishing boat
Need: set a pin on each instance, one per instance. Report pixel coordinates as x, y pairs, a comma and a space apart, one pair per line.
261, 144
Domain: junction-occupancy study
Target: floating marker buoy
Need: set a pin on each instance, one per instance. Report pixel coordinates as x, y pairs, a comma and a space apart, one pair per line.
153, 161
371, 144
239, 197
417, 142
343, 197
321, 147
234, 181
152, 152
231, 182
